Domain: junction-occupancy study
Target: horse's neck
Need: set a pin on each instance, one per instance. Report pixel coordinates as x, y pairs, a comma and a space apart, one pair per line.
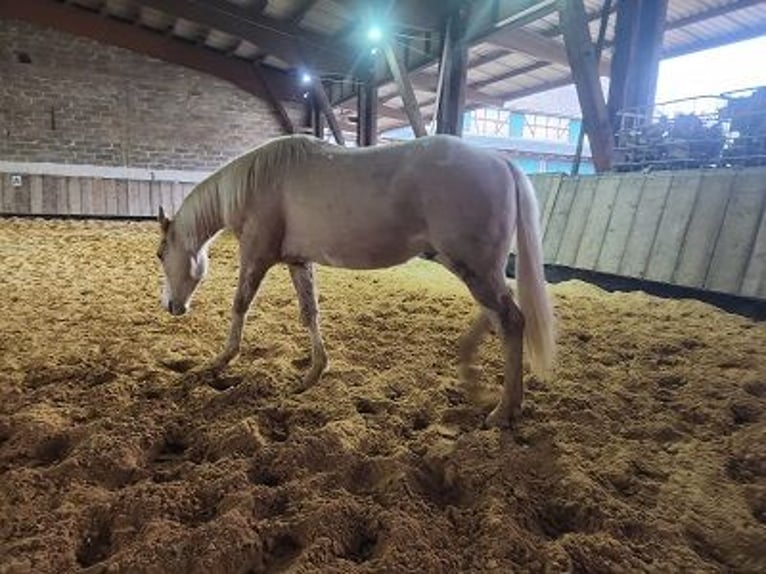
200, 217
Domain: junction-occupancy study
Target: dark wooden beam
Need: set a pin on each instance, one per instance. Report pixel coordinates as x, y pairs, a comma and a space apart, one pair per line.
637, 51
411, 106
300, 10
286, 41
605, 14
453, 70
276, 105
324, 104
367, 112
582, 60
317, 119
82, 22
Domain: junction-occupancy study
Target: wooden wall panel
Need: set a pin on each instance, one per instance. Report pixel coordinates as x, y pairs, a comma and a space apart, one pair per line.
134, 198
86, 195
121, 191
554, 230
145, 199
704, 227
166, 195
673, 225
736, 240
22, 200
575, 226
620, 223
110, 196
178, 195
35, 193
635, 257
6, 194
99, 205
754, 281
74, 195
596, 222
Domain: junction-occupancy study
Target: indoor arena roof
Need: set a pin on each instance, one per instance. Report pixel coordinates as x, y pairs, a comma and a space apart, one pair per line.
516, 45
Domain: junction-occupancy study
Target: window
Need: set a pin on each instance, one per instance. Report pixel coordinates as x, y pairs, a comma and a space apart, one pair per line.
538, 127
487, 122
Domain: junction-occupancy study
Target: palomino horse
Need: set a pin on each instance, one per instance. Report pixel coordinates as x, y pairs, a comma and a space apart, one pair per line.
297, 200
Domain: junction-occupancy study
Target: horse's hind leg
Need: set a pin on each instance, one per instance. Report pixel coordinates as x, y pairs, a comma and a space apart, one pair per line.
303, 281
469, 345
494, 296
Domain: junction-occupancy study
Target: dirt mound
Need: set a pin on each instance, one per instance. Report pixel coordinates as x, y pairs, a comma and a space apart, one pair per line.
644, 452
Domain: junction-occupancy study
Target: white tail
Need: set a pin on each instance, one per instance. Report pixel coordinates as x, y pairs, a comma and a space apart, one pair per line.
530, 278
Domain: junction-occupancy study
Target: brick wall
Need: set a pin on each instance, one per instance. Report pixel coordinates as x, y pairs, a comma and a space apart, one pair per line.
81, 102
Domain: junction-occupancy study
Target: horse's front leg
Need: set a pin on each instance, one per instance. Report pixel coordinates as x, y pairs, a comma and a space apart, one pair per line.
251, 273
303, 281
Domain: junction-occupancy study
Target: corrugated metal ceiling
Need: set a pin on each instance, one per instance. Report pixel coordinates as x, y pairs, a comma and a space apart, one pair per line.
494, 71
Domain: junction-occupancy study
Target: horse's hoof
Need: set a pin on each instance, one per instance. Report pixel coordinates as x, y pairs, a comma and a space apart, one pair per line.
498, 418
469, 374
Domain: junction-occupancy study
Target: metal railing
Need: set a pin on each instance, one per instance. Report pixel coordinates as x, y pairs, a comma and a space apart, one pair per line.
726, 130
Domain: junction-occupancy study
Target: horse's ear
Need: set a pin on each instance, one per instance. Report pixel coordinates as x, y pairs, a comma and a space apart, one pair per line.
164, 221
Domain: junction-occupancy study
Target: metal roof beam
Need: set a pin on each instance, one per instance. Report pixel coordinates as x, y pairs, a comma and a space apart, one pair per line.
536, 45
422, 14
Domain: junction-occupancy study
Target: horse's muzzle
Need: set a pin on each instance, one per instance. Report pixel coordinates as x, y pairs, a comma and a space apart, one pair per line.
176, 309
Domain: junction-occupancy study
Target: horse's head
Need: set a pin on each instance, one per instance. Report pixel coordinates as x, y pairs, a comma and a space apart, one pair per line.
183, 268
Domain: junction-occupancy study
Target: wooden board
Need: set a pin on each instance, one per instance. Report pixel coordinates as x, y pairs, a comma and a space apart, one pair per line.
121, 191
575, 225
738, 232
178, 196
110, 197
134, 198
156, 195
704, 227
86, 195
22, 196
166, 194
673, 225
546, 207
145, 199
554, 231
74, 195
754, 281
50, 199
35, 193
6, 195
620, 223
596, 222
635, 257
99, 196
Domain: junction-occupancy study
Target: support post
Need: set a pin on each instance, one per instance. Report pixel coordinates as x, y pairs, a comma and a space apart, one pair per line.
411, 107
582, 61
276, 106
639, 30
324, 105
367, 107
606, 11
450, 97
317, 119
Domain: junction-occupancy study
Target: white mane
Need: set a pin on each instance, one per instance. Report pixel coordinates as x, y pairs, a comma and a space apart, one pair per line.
213, 202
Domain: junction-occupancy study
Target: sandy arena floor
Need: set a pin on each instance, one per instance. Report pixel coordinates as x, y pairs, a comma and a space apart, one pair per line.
645, 452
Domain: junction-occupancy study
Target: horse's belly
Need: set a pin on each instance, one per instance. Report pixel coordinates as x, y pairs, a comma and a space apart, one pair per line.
369, 251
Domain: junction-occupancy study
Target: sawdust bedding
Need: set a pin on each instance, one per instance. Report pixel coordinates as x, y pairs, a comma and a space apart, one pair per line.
645, 451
